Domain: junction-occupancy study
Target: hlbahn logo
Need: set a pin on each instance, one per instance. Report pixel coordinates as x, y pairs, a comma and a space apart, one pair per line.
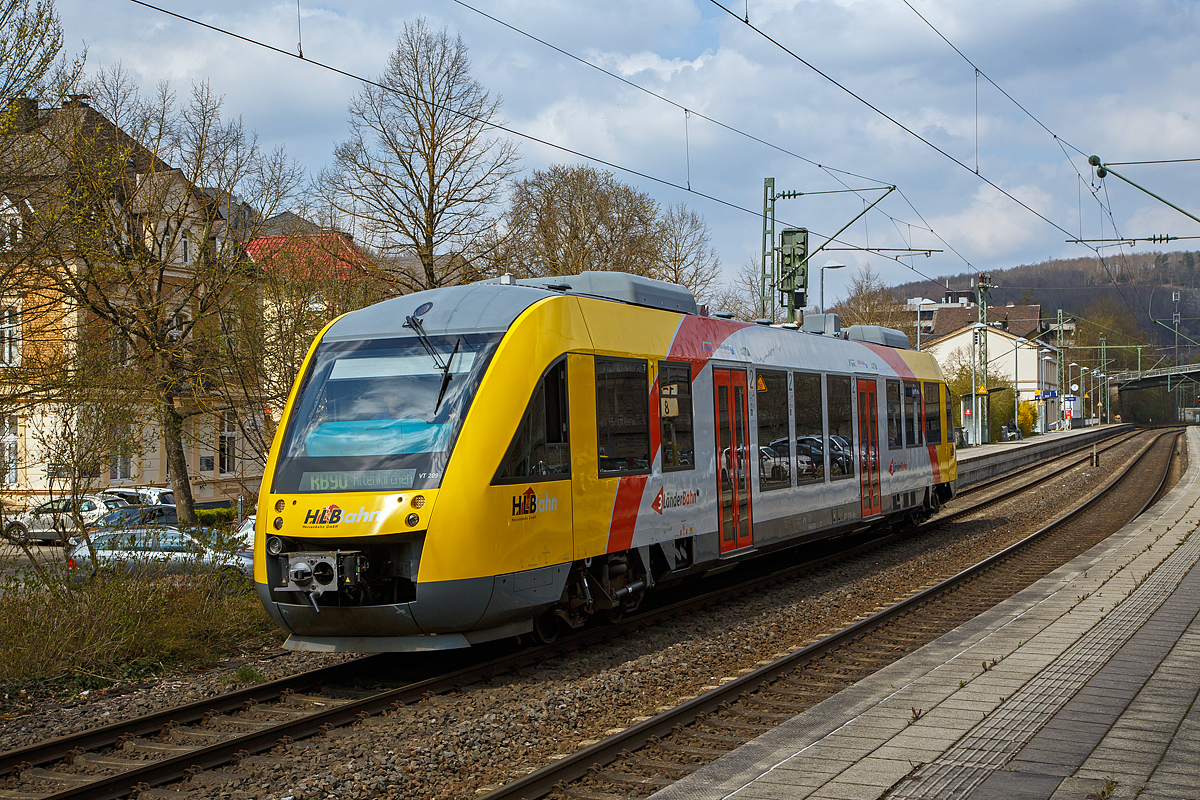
675, 499
528, 504
332, 515
897, 466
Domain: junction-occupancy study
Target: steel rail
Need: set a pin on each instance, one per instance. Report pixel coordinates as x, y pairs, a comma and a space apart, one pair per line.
175, 767
540, 782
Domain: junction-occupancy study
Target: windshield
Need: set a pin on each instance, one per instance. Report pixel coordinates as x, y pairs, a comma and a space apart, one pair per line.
380, 415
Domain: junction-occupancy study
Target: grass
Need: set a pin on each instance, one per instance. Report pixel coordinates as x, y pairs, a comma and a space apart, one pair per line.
119, 627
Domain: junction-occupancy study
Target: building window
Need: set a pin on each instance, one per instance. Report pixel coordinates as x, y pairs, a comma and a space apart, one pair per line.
227, 446
841, 424
774, 445
675, 410
894, 412
10, 336
13, 230
183, 246
933, 413
622, 417
8, 451
912, 414
541, 448
810, 437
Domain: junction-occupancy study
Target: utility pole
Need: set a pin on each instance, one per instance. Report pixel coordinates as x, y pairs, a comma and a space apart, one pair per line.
1062, 389
984, 287
1104, 372
770, 274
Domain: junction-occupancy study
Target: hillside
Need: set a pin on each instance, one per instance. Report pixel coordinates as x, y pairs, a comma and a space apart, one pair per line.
1139, 284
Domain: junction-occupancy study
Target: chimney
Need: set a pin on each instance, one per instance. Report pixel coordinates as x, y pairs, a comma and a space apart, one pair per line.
76, 100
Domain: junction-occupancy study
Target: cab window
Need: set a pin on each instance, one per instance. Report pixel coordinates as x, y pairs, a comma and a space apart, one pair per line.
675, 411
933, 413
540, 450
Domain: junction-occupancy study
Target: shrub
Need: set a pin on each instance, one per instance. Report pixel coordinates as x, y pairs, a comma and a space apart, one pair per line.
216, 517
51, 628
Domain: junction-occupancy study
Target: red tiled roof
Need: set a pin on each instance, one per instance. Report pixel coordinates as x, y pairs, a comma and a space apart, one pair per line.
311, 255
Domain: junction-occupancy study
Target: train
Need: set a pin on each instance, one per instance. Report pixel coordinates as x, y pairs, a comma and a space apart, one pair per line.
510, 457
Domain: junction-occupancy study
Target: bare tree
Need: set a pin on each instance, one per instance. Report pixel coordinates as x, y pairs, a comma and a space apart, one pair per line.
422, 166
31, 59
146, 224
869, 302
686, 255
741, 297
568, 219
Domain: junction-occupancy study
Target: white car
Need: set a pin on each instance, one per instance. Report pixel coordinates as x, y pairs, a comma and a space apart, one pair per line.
54, 521
156, 550
143, 495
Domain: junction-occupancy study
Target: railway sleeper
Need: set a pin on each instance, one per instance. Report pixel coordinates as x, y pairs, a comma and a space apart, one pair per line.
54, 776
713, 736
688, 750
645, 762
107, 762
584, 794
159, 748
625, 779
754, 712
761, 700
738, 726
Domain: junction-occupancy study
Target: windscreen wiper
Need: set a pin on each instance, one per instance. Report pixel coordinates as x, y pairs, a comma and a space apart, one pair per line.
415, 324
446, 376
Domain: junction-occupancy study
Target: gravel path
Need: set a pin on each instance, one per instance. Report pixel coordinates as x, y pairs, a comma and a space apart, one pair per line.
461, 744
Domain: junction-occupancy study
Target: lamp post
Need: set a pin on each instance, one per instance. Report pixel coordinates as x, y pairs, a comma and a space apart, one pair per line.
976, 327
1017, 381
839, 265
1045, 408
1069, 384
1083, 384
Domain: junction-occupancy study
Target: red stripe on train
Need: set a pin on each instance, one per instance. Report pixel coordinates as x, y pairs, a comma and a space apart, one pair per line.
625, 511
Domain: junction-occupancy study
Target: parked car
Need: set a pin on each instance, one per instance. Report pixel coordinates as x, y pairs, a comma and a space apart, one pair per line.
143, 495
772, 466
245, 532
156, 550
53, 520
131, 517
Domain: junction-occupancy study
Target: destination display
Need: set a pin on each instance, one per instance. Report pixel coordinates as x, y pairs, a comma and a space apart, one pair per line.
371, 480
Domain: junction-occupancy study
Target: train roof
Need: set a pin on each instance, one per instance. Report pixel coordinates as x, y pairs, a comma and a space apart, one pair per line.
493, 305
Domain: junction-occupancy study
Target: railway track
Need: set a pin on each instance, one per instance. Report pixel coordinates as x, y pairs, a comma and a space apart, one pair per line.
122, 759
659, 751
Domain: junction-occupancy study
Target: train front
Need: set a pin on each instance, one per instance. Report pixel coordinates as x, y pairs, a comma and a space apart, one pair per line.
354, 477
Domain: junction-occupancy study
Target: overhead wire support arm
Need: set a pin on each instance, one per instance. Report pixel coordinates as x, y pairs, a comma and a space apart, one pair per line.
857, 217
1103, 169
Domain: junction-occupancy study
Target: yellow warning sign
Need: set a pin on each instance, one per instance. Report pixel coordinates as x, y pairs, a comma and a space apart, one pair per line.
762, 385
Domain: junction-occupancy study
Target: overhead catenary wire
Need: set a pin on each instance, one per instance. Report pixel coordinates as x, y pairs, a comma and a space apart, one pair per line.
489, 123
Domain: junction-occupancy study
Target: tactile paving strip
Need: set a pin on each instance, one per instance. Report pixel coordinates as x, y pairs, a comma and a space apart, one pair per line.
991, 744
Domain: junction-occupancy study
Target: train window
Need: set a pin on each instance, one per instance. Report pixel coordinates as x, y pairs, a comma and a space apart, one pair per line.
894, 410
810, 436
675, 410
933, 413
912, 414
622, 416
841, 422
540, 450
774, 445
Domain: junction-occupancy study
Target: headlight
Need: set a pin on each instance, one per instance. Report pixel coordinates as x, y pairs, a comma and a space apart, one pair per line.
418, 501
412, 520
279, 505
278, 523
274, 545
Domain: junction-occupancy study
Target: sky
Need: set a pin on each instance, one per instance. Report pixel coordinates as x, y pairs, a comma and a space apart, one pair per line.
1116, 78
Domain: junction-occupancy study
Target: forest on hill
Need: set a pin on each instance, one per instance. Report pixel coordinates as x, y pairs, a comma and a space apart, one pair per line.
1132, 292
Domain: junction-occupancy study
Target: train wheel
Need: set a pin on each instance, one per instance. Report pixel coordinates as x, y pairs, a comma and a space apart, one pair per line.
935, 500
614, 614
546, 627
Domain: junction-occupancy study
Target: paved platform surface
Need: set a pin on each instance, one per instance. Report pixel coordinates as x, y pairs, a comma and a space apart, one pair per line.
1086, 682
984, 450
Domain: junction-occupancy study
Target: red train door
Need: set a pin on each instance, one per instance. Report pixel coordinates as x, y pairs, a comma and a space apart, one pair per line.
733, 458
868, 448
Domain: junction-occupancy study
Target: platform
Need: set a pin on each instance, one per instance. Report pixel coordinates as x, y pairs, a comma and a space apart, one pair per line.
977, 464
1096, 678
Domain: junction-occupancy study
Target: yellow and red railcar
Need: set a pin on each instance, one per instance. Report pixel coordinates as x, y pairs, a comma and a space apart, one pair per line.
476, 462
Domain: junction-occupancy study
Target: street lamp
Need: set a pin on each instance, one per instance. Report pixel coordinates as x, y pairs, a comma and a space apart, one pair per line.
1069, 384
1046, 408
976, 327
838, 265
1083, 384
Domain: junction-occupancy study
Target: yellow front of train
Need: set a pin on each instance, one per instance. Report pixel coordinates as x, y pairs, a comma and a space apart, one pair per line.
395, 403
